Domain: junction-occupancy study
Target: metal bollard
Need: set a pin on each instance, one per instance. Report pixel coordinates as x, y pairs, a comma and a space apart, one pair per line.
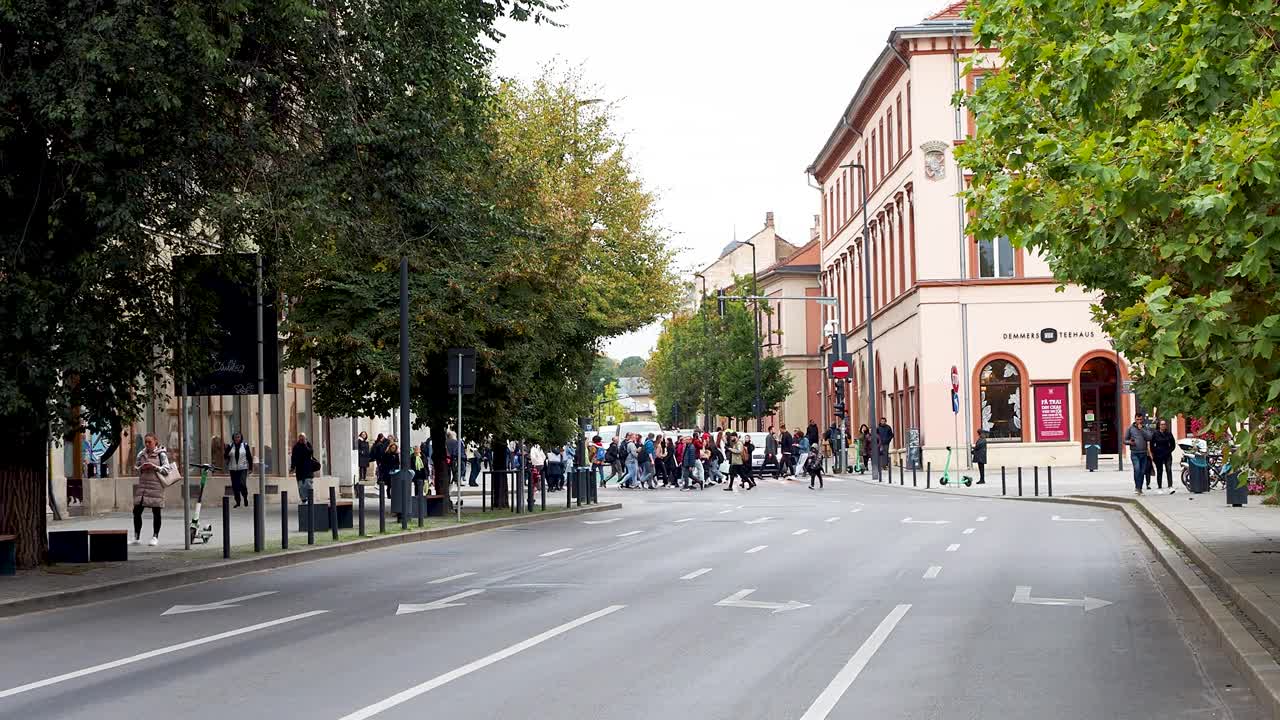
1049, 471
902, 477
1003, 489
577, 478
259, 522
333, 511
1019, 481
284, 519
568, 495
420, 488
404, 489
226, 529
382, 511
484, 490
913, 474
311, 516
928, 474
360, 505
1035, 479
544, 495
890, 463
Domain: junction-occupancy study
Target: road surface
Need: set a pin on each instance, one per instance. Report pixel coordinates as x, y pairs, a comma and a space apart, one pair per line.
779, 603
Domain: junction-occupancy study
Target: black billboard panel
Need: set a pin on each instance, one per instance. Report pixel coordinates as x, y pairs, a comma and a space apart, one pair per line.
217, 309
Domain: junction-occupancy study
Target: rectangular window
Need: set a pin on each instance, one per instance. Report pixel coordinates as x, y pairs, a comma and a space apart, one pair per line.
881, 136
899, 125
909, 131
995, 258
889, 137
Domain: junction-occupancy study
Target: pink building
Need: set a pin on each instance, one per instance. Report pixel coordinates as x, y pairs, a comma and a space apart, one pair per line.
1034, 370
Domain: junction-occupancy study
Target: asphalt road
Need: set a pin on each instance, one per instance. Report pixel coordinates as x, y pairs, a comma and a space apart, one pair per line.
779, 602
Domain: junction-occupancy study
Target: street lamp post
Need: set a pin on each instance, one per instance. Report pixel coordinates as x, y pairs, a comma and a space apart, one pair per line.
706, 393
871, 354
757, 406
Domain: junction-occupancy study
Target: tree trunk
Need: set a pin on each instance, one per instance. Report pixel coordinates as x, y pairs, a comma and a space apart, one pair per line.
499, 476
23, 488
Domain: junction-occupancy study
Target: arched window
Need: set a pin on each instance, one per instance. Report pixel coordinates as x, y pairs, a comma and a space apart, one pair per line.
1000, 385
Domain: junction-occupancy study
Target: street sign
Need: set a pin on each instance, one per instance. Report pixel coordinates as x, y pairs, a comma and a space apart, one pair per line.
955, 402
840, 369
468, 370
955, 379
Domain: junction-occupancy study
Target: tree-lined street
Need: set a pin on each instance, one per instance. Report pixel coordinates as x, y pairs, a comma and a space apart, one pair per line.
779, 603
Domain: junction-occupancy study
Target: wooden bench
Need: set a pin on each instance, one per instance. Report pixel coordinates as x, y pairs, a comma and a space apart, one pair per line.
108, 545
68, 546
8, 554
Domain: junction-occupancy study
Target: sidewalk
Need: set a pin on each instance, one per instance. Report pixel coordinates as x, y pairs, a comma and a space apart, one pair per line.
169, 564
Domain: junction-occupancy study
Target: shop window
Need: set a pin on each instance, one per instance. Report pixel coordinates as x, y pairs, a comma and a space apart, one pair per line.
1001, 392
995, 258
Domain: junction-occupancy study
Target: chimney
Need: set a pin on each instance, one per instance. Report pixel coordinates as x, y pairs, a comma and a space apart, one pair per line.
814, 231
768, 219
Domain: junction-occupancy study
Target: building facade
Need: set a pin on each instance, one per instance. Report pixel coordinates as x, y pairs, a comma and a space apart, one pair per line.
1031, 366
792, 330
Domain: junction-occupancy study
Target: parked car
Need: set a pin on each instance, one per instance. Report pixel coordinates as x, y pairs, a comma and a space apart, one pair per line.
644, 427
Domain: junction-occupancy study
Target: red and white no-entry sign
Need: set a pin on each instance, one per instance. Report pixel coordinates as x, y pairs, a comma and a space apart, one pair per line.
840, 369
955, 379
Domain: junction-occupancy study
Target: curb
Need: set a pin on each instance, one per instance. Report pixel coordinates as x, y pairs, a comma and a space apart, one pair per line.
1160, 533
230, 568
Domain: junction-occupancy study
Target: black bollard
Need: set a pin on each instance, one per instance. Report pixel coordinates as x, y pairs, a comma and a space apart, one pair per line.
1003, 489
543, 490
484, 490
382, 511
1019, 481
1048, 469
568, 495
311, 516
404, 490
259, 520
577, 490
914, 467
420, 488
1035, 479
226, 529
333, 511
928, 474
890, 463
360, 505
902, 477
284, 519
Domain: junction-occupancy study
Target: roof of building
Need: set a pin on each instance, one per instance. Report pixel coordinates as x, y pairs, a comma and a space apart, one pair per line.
948, 20
804, 261
635, 387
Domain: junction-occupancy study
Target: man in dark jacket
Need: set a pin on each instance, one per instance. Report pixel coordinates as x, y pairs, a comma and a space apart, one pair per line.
786, 443
884, 436
980, 456
688, 459
812, 434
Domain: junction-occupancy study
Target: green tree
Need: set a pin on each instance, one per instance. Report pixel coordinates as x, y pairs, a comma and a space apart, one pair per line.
735, 355
603, 371
632, 366
608, 410
679, 369
1136, 146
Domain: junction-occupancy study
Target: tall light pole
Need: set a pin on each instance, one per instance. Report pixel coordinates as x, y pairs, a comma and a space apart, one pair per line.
582, 421
871, 351
706, 391
759, 401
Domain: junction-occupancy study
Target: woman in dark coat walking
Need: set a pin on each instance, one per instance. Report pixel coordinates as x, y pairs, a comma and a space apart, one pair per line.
980, 456
301, 462
362, 453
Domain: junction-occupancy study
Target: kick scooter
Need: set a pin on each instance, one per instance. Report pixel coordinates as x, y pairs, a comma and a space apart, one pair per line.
202, 534
946, 473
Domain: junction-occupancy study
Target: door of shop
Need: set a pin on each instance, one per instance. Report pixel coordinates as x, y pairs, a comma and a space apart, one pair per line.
1098, 404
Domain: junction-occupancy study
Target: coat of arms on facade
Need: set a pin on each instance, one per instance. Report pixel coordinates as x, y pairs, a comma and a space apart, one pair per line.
935, 159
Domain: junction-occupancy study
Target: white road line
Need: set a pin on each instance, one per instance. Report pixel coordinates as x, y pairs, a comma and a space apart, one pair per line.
155, 653
555, 552
725, 511
801, 531
856, 510
684, 520
953, 547
451, 578
484, 662
968, 531
695, 573
982, 518
834, 518
629, 534
826, 702
755, 549
932, 572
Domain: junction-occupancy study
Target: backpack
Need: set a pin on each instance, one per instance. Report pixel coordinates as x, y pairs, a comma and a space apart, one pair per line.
611, 455
643, 454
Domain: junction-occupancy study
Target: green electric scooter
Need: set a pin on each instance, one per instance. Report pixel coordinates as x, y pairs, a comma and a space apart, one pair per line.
201, 534
946, 473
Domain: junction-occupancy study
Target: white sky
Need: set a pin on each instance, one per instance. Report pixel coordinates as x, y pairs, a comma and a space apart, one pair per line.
724, 103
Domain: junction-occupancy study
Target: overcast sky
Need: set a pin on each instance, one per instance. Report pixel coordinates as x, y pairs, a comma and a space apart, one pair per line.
724, 103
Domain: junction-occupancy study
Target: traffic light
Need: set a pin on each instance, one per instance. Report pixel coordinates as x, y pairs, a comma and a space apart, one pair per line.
840, 409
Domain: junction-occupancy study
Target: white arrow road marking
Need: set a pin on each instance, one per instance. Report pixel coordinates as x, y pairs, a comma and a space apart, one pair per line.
831, 695
695, 573
681, 520
982, 518
856, 510
629, 534
600, 522
834, 518
910, 521
953, 547
484, 662
932, 572
220, 605
409, 609
801, 531
759, 520
755, 549
555, 552
1022, 596
451, 578
736, 600
155, 653
1057, 518
968, 531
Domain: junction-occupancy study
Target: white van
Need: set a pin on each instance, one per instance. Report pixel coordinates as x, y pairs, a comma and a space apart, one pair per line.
644, 427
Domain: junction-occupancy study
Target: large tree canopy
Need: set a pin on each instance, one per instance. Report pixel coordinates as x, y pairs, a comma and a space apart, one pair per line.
1137, 145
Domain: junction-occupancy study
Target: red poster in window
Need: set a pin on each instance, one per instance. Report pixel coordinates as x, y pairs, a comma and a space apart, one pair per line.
1052, 414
